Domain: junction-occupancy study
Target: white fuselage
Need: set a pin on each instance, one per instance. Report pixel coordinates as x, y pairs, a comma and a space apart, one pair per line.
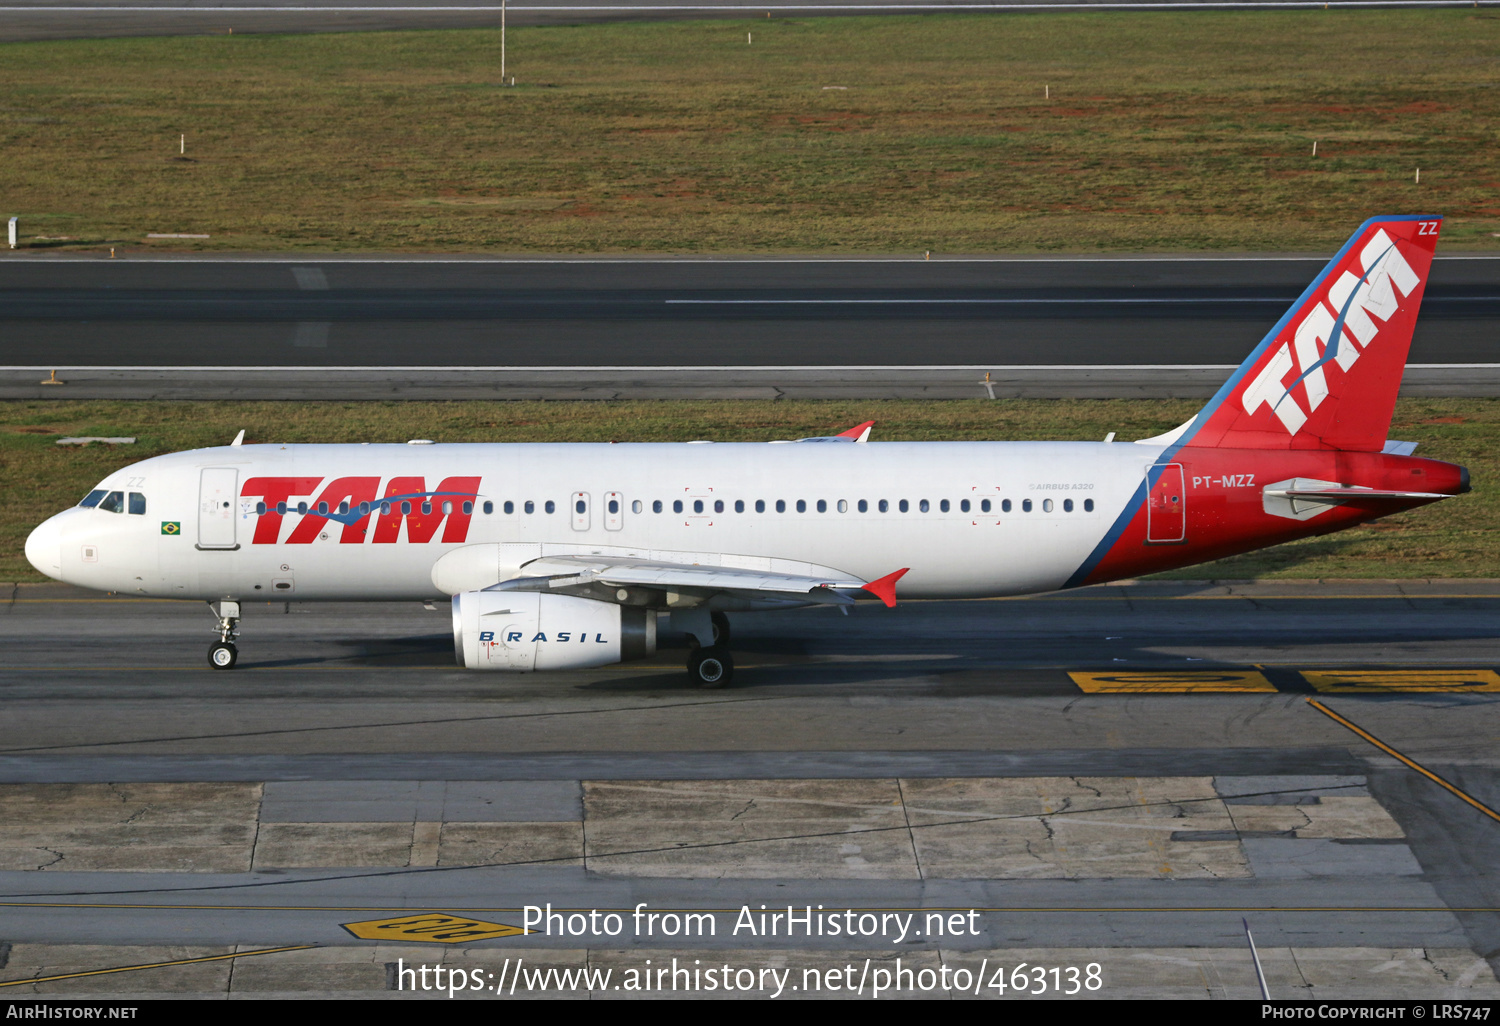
1063, 497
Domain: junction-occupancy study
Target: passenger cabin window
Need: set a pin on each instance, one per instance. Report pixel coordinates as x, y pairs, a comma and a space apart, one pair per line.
963, 505
635, 507
922, 506
760, 505
1004, 505
739, 505
864, 506
1088, 505
614, 506
260, 509
676, 505
509, 507
718, 505
1067, 505
1046, 505
697, 505
582, 507
822, 505
489, 507
137, 504
92, 498
984, 506
1025, 505
405, 508
884, 506
529, 507
843, 505
323, 509
549, 506
656, 506
801, 505
904, 506
943, 506
364, 509
114, 502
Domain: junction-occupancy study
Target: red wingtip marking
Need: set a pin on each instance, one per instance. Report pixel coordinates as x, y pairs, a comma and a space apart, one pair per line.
885, 588
859, 433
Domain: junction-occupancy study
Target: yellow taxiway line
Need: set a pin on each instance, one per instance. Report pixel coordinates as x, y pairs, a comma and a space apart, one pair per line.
152, 965
1387, 749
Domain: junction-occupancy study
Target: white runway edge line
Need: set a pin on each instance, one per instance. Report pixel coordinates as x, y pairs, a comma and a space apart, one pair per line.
765, 369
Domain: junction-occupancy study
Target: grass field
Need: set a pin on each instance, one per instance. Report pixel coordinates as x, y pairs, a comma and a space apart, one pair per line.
1455, 538
1164, 131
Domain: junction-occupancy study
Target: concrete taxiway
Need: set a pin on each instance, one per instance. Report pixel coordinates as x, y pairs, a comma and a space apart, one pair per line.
1114, 776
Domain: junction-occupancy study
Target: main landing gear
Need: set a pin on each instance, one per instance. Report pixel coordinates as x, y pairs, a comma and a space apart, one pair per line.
709, 666
222, 654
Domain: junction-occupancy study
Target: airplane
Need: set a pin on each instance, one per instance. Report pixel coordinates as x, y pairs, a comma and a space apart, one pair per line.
566, 556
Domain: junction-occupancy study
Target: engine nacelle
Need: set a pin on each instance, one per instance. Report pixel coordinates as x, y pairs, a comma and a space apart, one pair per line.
527, 630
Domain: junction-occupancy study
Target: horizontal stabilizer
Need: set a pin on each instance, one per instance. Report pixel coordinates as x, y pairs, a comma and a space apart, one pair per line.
1353, 494
1302, 498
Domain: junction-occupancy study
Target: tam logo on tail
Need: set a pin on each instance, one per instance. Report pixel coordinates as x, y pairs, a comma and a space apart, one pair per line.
1326, 376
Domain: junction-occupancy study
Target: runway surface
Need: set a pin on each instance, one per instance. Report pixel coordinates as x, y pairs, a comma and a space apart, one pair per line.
170, 328
968, 755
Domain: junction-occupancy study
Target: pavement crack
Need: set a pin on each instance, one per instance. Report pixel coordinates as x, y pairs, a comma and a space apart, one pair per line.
50, 851
1427, 957
1086, 787
748, 806
137, 814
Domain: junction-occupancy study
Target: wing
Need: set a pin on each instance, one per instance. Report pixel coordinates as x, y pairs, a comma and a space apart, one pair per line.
789, 584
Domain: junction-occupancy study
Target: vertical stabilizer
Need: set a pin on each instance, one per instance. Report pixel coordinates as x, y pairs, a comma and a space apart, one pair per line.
1326, 376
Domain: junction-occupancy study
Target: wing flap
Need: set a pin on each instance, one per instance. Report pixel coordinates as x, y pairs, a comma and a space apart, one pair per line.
574, 571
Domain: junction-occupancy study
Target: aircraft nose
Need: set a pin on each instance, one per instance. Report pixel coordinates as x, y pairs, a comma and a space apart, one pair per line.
44, 548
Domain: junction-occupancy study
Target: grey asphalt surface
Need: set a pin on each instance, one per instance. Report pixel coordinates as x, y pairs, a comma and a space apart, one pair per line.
662, 313
107, 689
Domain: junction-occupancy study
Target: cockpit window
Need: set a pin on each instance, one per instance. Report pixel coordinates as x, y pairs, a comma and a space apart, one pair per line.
137, 504
92, 498
114, 502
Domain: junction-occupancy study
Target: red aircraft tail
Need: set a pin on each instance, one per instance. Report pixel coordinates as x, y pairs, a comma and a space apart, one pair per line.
1326, 376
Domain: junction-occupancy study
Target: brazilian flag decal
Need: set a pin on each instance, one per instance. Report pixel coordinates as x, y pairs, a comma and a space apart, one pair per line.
171, 527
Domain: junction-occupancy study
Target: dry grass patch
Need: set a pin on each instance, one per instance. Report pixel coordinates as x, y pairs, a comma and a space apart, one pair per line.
1165, 130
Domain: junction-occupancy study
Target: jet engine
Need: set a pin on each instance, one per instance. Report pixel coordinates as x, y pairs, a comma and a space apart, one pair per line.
526, 630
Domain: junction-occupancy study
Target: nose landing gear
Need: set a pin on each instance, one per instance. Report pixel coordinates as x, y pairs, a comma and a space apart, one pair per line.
222, 654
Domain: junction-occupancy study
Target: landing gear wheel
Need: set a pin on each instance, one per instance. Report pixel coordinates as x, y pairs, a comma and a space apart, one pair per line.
711, 667
721, 628
222, 655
